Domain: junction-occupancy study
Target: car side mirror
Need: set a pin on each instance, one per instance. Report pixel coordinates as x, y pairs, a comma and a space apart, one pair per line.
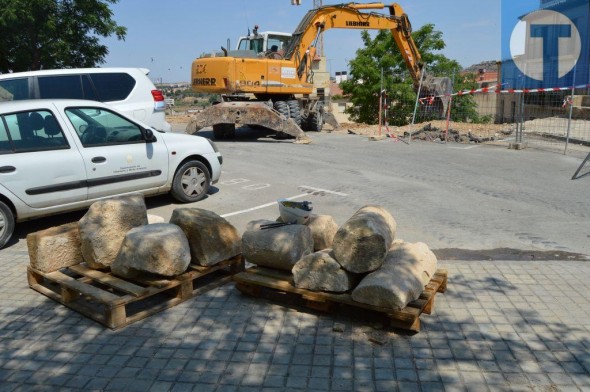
149, 135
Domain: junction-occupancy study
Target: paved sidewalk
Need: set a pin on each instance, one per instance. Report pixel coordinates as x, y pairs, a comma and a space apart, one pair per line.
500, 326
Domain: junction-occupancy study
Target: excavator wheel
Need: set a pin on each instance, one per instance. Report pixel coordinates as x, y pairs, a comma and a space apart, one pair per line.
295, 111
282, 107
315, 121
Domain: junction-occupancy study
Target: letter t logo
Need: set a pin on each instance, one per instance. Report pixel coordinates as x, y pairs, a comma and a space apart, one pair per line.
551, 33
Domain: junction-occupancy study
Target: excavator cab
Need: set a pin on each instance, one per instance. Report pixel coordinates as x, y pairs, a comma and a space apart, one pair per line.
264, 42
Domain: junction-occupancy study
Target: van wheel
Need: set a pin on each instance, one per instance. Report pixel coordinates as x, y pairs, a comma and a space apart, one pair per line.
6, 224
191, 182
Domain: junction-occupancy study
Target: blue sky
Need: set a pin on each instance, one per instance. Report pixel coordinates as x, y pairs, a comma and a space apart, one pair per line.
165, 36
511, 11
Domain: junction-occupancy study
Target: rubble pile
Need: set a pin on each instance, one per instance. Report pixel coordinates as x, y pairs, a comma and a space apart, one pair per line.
432, 133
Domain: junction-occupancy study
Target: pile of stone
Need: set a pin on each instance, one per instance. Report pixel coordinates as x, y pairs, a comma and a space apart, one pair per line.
115, 234
361, 257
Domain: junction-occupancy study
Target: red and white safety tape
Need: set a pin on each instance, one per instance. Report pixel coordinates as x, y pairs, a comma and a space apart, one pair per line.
498, 90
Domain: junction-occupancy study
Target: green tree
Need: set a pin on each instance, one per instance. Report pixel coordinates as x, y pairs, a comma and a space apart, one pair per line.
380, 53
46, 34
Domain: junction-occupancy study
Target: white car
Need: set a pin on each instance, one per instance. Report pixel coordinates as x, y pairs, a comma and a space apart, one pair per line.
129, 90
62, 155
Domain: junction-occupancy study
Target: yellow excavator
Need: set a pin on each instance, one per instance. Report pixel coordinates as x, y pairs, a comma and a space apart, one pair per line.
272, 89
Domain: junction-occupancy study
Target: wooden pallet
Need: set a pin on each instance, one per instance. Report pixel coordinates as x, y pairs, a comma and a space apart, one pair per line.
116, 302
270, 283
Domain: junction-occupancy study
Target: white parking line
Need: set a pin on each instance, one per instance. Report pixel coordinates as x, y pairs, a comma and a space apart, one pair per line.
274, 203
464, 148
322, 190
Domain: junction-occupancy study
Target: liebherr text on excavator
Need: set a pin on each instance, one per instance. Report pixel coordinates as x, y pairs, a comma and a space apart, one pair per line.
272, 88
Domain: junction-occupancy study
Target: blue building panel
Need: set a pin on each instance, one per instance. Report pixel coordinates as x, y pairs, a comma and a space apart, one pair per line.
545, 43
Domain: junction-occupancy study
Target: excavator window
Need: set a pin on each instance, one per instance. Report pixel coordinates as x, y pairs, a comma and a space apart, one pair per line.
278, 41
252, 44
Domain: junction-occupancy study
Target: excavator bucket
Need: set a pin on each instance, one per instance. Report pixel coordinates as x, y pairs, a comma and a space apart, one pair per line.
330, 119
247, 113
440, 88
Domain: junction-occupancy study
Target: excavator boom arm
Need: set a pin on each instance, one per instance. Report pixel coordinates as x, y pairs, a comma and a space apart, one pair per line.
349, 16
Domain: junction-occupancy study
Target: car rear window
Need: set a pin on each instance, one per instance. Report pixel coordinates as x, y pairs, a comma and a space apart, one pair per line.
115, 86
14, 89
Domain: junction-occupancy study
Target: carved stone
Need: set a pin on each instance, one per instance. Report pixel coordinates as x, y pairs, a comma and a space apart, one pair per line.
360, 245
279, 247
323, 228
211, 238
55, 248
320, 272
103, 227
401, 279
159, 248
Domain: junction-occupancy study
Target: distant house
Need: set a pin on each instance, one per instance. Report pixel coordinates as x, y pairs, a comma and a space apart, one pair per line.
340, 104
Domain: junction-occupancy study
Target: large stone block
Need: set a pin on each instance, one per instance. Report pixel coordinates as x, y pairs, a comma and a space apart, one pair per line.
320, 272
211, 238
360, 245
257, 224
279, 247
159, 248
55, 248
103, 227
406, 270
323, 228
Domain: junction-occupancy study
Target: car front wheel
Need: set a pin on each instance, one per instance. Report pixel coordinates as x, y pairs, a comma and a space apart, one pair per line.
6, 224
191, 182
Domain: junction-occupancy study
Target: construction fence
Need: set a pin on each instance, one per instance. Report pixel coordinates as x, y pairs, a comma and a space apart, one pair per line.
556, 119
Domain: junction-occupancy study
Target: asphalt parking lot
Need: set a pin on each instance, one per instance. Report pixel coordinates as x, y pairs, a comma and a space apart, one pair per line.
514, 229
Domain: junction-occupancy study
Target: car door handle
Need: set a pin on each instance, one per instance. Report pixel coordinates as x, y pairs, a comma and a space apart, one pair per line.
7, 169
99, 159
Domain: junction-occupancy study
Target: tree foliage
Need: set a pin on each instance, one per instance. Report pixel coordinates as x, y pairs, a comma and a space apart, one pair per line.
47, 34
380, 53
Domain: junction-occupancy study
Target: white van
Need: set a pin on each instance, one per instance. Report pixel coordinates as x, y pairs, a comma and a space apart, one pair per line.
129, 90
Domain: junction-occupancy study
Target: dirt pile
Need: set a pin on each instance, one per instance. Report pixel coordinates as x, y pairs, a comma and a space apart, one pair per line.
434, 130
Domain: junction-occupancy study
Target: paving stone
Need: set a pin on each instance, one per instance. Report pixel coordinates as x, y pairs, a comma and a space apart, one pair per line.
489, 332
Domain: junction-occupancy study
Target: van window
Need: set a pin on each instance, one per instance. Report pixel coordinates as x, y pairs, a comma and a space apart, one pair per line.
89, 92
113, 86
34, 131
67, 86
14, 89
